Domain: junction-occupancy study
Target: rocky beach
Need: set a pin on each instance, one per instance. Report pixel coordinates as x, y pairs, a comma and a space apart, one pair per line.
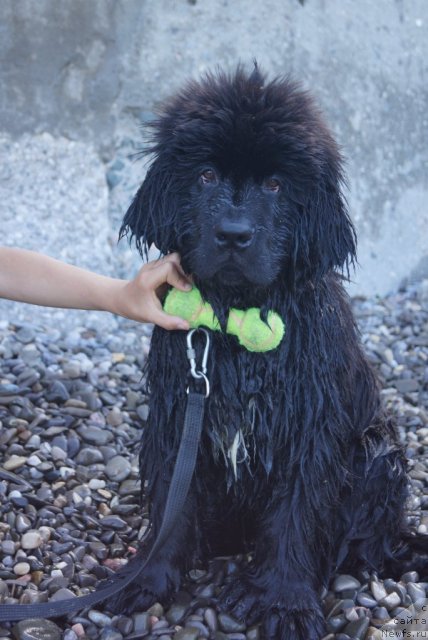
71, 414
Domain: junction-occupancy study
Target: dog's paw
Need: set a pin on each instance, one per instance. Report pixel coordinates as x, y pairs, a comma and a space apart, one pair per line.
284, 615
156, 583
242, 600
281, 623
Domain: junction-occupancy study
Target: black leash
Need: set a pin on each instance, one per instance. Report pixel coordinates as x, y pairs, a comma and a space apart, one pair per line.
177, 494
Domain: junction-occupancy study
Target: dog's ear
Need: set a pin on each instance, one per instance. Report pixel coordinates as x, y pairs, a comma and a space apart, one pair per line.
326, 237
152, 213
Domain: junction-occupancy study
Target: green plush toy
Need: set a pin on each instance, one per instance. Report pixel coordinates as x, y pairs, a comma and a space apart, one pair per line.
251, 331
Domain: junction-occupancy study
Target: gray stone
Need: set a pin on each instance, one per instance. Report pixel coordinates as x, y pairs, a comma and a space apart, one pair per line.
63, 593
381, 614
187, 633
115, 417
253, 633
57, 392
156, 610
406, 385
410, 576
109, 633
378, 590
345, 582
132, 399
391, 600
95, 435
89, 455
21, 568
14, 462
113, 522
210, 616
416, 592
357, 629
31, 540
36, 629
229, 624
143, 412
118, 468
8, 547
336, 623
365, 600
25, 335
30, 354
175, 613
100, 619
141, 622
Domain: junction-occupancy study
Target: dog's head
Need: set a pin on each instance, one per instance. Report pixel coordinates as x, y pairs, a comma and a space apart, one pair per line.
245, 184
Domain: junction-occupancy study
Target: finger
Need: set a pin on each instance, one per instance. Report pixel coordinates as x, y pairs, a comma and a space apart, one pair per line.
170, 273
168, 322
178, 280
172, 257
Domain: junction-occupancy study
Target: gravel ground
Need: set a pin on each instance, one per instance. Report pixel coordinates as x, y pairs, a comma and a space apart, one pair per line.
71, 411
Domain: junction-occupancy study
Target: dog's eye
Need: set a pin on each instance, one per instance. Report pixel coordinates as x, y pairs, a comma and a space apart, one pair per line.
272, 184
208, 176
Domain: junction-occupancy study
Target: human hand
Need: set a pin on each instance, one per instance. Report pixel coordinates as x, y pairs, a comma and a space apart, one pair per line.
140, 298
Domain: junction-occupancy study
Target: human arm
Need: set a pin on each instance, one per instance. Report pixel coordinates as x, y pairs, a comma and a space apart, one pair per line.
27, 276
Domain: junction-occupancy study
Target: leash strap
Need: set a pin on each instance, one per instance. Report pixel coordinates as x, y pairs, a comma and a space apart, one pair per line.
175, 502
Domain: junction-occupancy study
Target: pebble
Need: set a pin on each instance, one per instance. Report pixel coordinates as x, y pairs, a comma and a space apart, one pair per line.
345, 583
22, 523
62, 594
95, 435
57, 392
71, 370
381, 615
36, 629
21, 568
365, 600
14, 462
175, 613
89, 455
113, 522
390, 601
416, 592
100, 619
110, 633
114, 417
378, 590
229, 624
188, 633
34, 461
118, 468
141, 622
31, 540
156, 610
210, 616
30, 354
8, 547
374, 634
78, 630
357, 629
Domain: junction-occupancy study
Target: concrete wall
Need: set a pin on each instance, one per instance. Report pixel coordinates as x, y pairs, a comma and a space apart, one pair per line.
91, 70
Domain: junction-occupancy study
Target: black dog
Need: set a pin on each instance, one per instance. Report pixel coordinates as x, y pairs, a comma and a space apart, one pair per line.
297, 462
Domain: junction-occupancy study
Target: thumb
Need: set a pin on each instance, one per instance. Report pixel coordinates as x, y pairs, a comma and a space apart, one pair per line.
168, 322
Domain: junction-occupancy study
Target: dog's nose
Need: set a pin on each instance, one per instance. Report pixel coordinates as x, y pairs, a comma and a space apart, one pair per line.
233, 235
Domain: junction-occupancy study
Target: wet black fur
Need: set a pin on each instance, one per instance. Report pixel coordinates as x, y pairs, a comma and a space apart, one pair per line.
320, 480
